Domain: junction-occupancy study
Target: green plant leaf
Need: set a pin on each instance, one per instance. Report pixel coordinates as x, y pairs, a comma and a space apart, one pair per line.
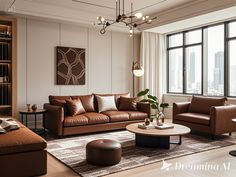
154, 106
144, 100
142, 93
152, 97
164, 105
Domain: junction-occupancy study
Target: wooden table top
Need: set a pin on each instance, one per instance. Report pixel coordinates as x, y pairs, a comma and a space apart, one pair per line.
177, 130
37, 111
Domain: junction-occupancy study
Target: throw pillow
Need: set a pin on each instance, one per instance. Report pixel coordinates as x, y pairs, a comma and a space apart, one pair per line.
62, 103
128, 104
106, 103
75, 107
87, 102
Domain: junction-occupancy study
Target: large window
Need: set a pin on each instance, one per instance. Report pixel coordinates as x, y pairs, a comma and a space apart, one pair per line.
214, 60
185, 60
203, 61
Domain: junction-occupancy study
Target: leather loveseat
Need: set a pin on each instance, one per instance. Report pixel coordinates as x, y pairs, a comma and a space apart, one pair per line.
206, 114
60, 123
22, 153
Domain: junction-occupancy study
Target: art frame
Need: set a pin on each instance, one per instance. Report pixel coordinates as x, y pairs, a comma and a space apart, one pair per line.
70, 65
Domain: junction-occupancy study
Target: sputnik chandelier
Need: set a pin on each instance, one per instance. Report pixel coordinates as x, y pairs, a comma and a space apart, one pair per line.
131, 20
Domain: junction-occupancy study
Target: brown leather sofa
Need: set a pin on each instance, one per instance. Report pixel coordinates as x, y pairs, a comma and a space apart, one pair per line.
204, 114
22, 153
60, 123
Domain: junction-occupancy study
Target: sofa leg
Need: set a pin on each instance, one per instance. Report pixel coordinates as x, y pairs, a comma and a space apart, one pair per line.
230, 133
213, 137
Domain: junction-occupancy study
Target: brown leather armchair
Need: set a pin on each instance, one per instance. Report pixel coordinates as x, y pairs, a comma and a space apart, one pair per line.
204, 114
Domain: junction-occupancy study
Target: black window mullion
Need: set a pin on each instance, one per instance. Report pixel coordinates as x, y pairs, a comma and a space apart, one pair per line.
226, 60
202, 69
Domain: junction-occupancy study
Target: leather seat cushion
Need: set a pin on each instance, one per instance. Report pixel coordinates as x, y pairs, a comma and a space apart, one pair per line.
21, 140
203, 119
117, 116
71, 121
96, 118
136, 115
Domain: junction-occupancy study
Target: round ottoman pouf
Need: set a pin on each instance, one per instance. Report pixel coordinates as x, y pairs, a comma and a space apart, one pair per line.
103, 152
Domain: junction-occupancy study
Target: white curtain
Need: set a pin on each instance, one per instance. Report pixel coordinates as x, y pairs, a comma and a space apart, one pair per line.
151, 58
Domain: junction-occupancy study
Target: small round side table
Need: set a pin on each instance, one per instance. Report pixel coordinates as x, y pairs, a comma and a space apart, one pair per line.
233, 153
25, 113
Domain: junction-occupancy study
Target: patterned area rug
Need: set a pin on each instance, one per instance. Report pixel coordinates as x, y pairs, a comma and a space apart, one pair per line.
71, 151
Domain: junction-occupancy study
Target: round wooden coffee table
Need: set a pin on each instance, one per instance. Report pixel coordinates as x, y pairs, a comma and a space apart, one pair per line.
156, 137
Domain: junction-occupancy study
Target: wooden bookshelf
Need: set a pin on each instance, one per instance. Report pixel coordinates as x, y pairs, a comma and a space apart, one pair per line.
7, 66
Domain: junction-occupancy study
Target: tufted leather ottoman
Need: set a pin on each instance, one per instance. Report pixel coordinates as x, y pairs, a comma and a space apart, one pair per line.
103, 152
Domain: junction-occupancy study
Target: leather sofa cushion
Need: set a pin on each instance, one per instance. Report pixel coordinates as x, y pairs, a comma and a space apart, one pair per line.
136, 115
75, 107
21, 140
197, 118
203, 105
128, 104
96, 118
61, 103
87, 102
52, 97
117, 116
71, 121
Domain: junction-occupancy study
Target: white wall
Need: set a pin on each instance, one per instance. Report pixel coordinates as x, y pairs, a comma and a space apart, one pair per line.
108, 60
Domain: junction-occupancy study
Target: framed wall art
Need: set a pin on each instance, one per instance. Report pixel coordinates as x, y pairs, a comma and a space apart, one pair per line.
70, 66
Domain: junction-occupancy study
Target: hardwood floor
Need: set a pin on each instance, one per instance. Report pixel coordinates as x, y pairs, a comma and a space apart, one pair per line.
215, 160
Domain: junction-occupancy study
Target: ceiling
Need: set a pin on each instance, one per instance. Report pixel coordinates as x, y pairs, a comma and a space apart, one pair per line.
84, 11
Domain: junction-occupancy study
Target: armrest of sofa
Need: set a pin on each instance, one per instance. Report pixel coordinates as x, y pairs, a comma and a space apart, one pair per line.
179, 108
144, 107
221, 119
54, 118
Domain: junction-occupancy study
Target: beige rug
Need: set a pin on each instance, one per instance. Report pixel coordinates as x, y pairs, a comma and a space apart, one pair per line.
71, 151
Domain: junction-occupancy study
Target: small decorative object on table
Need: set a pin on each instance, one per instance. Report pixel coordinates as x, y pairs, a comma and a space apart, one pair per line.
154, 102
28, 107
164, 126
146, 121
34, 107
144, 126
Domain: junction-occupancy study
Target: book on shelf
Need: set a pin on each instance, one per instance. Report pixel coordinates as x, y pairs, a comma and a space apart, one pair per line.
143, 126
8, 124
164, 126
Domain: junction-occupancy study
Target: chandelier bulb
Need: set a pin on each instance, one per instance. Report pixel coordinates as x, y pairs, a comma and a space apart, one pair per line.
138, 15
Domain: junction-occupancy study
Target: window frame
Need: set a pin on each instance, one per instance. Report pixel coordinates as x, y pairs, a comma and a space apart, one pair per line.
227, 39
184, 46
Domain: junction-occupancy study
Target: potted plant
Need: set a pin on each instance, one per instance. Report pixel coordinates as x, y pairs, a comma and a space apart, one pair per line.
146, 97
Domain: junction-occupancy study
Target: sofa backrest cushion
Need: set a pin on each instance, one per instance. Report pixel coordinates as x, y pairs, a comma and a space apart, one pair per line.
128, 104
75, 107
106, 103
52, 97
62, 103
203, 105
87, 102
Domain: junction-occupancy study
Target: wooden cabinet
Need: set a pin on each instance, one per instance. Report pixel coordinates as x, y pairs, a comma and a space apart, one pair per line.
7, 66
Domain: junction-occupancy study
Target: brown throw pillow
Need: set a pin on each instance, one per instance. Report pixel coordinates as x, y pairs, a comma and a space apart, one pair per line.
87, 102
75, 107
128, 104
61, 103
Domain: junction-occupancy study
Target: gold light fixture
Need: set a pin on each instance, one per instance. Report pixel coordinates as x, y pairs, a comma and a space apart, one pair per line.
132, 20
138, 70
